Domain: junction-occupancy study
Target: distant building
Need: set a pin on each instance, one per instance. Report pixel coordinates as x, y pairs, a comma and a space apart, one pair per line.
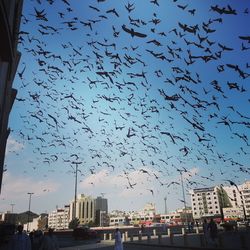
85, 209
10, 16
59, 218
221, 201
101, 210
8, 217
40, 222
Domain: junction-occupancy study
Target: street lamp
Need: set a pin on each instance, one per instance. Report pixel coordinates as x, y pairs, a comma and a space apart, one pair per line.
184, 199
76, 170
29, 211
12, 205
165, 200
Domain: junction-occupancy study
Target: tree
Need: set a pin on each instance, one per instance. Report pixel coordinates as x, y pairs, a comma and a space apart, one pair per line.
74, 223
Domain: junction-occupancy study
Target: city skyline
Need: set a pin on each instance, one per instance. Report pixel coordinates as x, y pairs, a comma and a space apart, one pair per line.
133, 95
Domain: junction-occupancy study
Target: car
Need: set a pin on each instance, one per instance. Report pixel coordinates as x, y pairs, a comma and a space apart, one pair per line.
84, 233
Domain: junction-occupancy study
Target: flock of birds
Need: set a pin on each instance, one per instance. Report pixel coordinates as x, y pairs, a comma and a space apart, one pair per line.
105, 84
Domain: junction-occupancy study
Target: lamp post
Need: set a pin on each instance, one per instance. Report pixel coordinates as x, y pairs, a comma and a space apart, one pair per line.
12, 207
29, 211
184, 199
165, 200
76, 170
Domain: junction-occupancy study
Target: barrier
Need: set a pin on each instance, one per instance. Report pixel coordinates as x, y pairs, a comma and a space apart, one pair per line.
159, 238
243, 241
110, 236
126, 236
139, 236
131, 238
148, 237
171, 237
185, 241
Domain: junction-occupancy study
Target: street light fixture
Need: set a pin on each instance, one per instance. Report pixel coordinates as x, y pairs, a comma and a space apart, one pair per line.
12, 207
29, 211
165, 200
184, 199
76, 171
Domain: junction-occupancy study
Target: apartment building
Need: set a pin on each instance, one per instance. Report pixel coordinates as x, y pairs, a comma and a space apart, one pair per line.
206, 202
227, 201
59, 218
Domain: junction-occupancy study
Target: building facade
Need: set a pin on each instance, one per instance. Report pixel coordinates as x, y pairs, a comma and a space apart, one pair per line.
10, 16
59, 219
85, 209
228, 202
101, 212
205, 202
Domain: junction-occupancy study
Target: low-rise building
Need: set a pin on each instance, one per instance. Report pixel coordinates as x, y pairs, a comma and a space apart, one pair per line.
59, 218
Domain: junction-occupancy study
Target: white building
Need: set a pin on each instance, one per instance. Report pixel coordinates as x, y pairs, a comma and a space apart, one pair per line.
59, 218
245, 194
205, 202
233, 201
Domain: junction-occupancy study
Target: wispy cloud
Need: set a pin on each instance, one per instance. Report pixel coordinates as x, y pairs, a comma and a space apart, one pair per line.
15, 187
13, 145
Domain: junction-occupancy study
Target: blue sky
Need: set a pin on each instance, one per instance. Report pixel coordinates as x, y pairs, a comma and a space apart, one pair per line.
90, 92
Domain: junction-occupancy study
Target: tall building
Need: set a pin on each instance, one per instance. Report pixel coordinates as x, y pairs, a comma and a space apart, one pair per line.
10, 16
85, 209
205, 202
59, 219
101, 211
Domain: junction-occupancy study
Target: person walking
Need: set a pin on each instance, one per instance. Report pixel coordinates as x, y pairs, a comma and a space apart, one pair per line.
213, 232
205, 231
118, 240
49, 241
20, 240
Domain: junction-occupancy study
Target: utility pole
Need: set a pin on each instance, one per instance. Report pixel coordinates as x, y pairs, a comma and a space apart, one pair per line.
12, 207
29, 211
76, 171
184, 199
165, 200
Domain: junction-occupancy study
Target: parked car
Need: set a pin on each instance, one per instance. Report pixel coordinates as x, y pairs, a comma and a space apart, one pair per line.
84, 233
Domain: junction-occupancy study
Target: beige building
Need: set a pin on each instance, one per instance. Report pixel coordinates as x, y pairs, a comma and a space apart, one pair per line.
85, 209
10, 16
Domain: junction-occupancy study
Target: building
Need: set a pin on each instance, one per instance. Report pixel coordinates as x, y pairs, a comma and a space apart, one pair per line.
239, 196
226, 202
205, 202
85, 209
59, 218
40, 223
8, 218
10, 16
101, 210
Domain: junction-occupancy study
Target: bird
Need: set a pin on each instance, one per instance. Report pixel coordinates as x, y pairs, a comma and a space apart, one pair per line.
132, 32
